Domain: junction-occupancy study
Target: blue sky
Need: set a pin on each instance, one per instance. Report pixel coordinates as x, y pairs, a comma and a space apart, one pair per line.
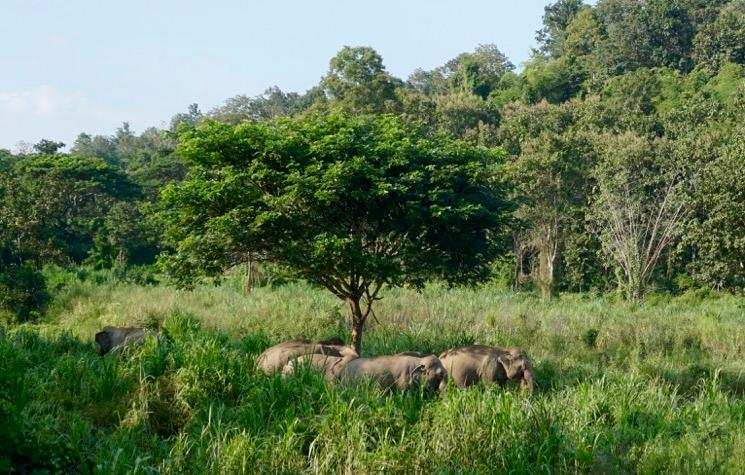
86, 66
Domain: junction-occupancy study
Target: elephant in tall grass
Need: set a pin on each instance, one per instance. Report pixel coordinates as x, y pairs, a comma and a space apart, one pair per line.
467, 365
111, 337
275, 358
403, 371
332, 366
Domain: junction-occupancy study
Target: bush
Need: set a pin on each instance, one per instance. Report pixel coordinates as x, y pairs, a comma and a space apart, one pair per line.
23, 291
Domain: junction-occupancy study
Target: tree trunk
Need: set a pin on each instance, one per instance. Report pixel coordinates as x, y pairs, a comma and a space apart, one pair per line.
519, 272
636, 287
249, 275
546, 273
358, 321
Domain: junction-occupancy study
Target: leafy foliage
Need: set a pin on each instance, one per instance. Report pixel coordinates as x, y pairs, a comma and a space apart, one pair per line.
23, 291
359, 82
551, 177
639, 207
353, 204
663, 71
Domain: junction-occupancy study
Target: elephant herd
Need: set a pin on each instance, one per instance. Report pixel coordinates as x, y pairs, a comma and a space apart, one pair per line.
463, 366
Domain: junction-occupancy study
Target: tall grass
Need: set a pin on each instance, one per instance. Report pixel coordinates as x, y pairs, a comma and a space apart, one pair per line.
622, 388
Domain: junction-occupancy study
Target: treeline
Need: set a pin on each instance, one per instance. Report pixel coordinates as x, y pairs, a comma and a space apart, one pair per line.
623, 140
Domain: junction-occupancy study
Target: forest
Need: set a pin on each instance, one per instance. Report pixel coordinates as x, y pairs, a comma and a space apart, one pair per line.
588, 206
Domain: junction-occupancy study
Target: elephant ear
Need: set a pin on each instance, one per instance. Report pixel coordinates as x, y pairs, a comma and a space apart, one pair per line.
104, 342
416, 373
511, 365
493, 370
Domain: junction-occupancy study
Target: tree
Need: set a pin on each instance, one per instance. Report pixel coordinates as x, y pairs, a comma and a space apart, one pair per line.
556, 18
478, 73
67, 197
24, 218
549, 169
630, 103
6, 160
352, 204
552, 186
650, 33
428, 83
128, 236
638, 206
464, 116
722, 40
98, 146
191, 117
23, 290
48, 147
272, 103
550, 80
716, 232
358, 81
581, 44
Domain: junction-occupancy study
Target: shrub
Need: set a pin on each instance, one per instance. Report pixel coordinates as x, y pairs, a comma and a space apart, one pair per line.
23, 291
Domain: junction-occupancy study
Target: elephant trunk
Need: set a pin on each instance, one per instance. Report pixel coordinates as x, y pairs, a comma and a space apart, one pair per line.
528, 382
443, 384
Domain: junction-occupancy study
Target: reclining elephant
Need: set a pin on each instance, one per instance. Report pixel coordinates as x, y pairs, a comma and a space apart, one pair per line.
275, 358
110, 337
468, 365
331, 365
403, 371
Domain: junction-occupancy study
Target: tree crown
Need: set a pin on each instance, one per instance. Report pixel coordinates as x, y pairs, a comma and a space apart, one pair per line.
350, 203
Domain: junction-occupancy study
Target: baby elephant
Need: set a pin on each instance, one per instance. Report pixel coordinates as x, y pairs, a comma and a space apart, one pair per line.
275, 358
403, 371
110, 337
331, 365
468, 365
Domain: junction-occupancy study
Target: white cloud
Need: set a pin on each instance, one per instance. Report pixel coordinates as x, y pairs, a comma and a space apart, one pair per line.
47, 112
42, 102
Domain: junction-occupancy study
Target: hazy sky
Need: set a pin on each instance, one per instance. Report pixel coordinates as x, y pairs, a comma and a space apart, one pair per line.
71, 66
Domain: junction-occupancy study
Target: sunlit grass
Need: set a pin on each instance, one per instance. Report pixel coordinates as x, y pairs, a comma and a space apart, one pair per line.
622, 387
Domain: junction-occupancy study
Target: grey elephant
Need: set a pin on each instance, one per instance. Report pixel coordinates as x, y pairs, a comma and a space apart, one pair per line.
275, 358
403, 371
331, 365
468, 365
111, 337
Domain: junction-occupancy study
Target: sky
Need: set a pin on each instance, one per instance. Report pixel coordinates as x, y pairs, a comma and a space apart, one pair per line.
72, 66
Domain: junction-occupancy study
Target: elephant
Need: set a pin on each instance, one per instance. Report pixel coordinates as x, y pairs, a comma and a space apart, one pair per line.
111, 337
331, 365
468, 365
275, 358
403, 371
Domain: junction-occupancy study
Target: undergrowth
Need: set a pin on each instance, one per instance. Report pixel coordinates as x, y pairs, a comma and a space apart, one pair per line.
622, 388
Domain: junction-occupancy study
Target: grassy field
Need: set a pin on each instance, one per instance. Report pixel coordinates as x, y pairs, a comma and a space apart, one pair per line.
621, 388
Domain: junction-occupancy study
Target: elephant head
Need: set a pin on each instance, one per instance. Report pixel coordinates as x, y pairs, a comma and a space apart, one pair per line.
468, 365
104, 342
111, 337
516, 366
429, 373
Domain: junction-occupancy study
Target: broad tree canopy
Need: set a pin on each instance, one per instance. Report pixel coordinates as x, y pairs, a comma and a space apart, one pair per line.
354, 204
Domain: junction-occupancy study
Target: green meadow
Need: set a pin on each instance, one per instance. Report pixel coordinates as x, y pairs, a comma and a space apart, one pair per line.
622, 387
